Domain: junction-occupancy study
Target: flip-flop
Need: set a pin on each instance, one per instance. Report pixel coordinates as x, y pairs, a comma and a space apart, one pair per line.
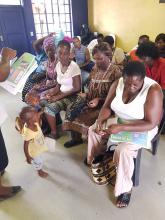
123, 199
14, 191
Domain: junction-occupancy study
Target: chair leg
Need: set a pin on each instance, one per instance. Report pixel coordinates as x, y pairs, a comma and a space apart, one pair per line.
155, 146
136, 174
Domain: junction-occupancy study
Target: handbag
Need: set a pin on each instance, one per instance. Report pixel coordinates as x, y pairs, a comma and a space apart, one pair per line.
103, 169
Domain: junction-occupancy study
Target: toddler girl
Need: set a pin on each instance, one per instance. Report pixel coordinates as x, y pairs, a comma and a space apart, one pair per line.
28, 124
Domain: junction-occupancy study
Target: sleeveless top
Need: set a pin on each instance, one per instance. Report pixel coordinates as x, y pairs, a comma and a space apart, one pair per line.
135, 109
80, 54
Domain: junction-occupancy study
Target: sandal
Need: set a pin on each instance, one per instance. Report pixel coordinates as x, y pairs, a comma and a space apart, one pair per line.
123, 200
14, 191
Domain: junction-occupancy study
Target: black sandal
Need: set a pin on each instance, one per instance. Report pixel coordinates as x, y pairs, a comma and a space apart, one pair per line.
123, 200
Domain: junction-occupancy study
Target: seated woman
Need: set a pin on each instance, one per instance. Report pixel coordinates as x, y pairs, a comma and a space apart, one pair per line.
41, 58
118, 56
69, 84
101, 78
138, 101
160, 44
47, 83
40, 72
155, 65
132, 54
82, 57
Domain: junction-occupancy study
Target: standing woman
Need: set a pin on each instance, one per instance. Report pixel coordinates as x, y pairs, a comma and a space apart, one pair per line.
69, 84
5, 192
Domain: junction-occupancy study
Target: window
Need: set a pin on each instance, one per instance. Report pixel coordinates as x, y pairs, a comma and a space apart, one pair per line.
51, 15
10, 2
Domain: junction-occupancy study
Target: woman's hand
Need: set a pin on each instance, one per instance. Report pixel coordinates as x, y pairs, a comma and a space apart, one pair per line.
37, 86
82, 95
99, 126
114, 129
32, 99
48, 82
52, 98
8, 53
93, 103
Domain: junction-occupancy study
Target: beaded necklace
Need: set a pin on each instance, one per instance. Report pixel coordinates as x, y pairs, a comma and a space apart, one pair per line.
97, 79
50, 73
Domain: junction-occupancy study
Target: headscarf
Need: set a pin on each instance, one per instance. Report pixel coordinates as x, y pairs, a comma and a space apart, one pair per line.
52, 41
68, 39
49, 42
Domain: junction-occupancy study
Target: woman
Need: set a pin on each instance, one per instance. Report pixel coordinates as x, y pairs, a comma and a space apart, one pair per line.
46, 84
5, 192
155, 65
118, 56
132, 54
81, 54
40, 72
101, 78
137, 100
160, 44
69, 83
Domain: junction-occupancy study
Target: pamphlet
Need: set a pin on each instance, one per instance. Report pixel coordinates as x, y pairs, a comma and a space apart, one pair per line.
20, 71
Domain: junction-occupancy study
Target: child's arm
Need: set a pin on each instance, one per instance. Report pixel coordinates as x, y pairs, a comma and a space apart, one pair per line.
28, 157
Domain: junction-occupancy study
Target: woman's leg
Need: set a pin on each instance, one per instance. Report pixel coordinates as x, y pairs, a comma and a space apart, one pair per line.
52, 123
52, 109
123, 159
96, 144
76, 139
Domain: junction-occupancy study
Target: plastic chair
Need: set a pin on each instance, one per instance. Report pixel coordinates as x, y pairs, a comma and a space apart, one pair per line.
154, 143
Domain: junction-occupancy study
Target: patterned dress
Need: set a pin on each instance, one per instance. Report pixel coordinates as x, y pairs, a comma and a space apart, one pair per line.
99, 86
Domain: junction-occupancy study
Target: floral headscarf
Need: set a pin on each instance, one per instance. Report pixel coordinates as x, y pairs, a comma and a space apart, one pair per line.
49, 42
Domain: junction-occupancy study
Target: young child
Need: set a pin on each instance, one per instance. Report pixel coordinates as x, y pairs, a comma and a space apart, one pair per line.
28, 124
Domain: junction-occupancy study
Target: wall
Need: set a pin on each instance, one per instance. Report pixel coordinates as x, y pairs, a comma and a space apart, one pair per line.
128, 19
29, 22
79, 15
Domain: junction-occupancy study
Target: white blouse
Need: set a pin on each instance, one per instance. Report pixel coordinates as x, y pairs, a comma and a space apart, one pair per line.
66, 79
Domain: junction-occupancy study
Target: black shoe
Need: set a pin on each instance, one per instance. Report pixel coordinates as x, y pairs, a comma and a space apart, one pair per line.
14, 191
72, 143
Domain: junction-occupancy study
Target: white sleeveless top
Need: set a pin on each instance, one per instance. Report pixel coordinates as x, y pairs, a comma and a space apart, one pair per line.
135, 109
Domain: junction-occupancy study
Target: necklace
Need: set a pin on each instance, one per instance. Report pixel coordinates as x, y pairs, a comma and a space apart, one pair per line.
97, 78
50, 73
64, 68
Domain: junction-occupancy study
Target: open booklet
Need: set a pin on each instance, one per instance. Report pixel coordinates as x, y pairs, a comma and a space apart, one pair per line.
139, 138
20, 71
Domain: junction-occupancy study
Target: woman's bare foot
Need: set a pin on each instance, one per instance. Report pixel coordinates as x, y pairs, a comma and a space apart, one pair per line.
42, 173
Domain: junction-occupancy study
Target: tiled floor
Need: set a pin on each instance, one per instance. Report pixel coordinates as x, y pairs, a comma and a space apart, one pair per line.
68, 193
